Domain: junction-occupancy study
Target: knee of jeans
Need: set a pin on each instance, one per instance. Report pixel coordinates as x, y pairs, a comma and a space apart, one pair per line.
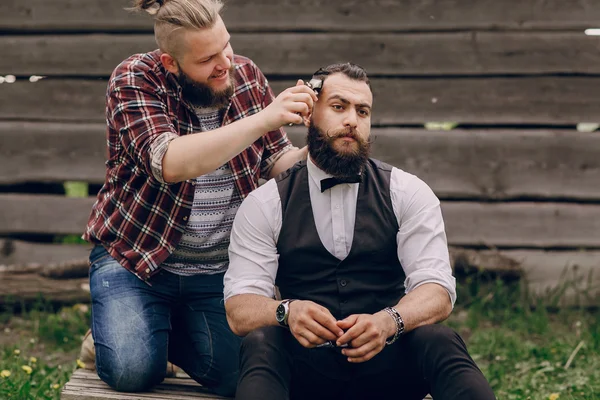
132, 378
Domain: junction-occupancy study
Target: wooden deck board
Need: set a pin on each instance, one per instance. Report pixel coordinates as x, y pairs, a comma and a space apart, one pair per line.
86, 385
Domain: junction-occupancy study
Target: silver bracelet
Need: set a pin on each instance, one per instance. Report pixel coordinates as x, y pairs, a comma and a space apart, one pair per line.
399, 324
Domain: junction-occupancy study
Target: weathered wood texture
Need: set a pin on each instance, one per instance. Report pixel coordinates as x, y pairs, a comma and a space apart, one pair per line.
517, 100
522, 224
50, 152
569, 277
517, 224
459, 164
27, 288
464, 53
492, 164
287, 15
43, 214
29, 256
85, 385
59, 261
561, 278
555, 277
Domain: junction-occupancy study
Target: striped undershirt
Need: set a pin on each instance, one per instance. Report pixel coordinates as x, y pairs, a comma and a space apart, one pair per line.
204, 245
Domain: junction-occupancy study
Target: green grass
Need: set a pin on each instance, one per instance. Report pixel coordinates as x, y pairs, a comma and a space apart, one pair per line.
535, 353
529, 352
39, 350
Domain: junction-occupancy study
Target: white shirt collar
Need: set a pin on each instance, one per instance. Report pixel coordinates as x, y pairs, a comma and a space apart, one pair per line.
317, 174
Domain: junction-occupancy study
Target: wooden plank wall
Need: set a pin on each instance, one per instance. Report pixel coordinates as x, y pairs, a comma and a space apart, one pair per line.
515, 177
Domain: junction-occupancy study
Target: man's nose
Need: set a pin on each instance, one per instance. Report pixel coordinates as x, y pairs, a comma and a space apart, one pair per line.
350, 119
224, 62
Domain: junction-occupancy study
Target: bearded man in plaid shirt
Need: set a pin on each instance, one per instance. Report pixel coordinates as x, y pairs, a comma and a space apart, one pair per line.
191, 129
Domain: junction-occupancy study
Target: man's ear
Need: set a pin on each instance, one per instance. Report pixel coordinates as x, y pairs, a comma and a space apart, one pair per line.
169, 63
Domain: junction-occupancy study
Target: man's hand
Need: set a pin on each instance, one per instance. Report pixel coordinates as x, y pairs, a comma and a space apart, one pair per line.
290, 106
312, 324
366, 334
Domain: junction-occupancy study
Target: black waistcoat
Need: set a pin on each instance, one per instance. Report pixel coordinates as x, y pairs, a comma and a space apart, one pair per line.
370, 278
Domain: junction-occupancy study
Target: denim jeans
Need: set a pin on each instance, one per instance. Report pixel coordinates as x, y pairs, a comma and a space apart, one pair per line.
138, 327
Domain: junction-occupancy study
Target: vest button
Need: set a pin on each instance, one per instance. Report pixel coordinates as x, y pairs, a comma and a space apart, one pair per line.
343, 283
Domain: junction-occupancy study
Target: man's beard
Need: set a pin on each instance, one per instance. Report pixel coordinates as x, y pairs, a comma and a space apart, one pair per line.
202, 95
338, 163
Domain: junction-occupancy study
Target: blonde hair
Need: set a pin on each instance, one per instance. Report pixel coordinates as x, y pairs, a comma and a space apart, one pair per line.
173, 16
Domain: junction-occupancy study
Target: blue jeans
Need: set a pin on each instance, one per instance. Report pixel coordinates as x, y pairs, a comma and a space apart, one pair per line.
137, 327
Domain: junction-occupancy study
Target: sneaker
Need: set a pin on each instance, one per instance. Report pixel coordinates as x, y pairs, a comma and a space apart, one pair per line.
87, 355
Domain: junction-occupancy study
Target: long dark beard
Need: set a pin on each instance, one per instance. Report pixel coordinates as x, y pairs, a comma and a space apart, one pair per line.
332, 161
202, 95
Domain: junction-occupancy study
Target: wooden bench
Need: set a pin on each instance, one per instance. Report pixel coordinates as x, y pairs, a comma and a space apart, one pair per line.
85, 385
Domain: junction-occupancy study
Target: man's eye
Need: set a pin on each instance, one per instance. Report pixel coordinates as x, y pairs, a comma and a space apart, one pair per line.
364, 112
337, 107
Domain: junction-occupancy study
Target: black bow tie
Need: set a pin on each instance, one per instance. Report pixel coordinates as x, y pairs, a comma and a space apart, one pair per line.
328, 183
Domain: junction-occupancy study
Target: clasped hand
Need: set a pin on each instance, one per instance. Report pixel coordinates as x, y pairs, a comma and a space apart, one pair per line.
312, 325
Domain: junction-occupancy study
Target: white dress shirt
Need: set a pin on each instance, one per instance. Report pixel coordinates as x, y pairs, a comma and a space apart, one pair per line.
421, 239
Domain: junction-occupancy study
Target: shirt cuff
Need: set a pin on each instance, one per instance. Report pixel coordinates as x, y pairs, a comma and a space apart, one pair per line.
267, 165
254, 286
423, 276
158, 149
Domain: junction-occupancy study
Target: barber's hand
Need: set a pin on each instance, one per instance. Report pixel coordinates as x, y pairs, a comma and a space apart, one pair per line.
290, 106
312, 324
366, 334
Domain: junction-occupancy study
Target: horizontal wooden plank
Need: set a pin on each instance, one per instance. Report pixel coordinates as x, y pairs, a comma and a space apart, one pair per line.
85, 385
462, 53
23, 254
561, 278
564, 277
516, 100
43, 214
391, 15
555, 277
459, 164
27, 288
492, 164
516, 224
521, 224
42, 152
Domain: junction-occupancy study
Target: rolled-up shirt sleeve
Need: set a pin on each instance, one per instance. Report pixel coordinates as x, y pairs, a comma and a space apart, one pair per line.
253, 258
137, 113
421, 238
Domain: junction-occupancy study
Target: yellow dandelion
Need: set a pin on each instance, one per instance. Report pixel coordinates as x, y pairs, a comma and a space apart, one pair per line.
27, 369
55, 386
17, 352
80, 363
32, 360
554, 396
5, 373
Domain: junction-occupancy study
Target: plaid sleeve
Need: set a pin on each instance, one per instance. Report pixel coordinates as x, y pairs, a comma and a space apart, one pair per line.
138, 116
276, 143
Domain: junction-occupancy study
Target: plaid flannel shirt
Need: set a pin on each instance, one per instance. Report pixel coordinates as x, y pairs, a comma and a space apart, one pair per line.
137, 217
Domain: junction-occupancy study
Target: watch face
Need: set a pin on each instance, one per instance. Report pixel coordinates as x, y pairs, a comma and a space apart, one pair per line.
280, 313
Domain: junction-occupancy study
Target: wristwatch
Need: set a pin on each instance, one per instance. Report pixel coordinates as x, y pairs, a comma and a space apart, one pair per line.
283, 312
